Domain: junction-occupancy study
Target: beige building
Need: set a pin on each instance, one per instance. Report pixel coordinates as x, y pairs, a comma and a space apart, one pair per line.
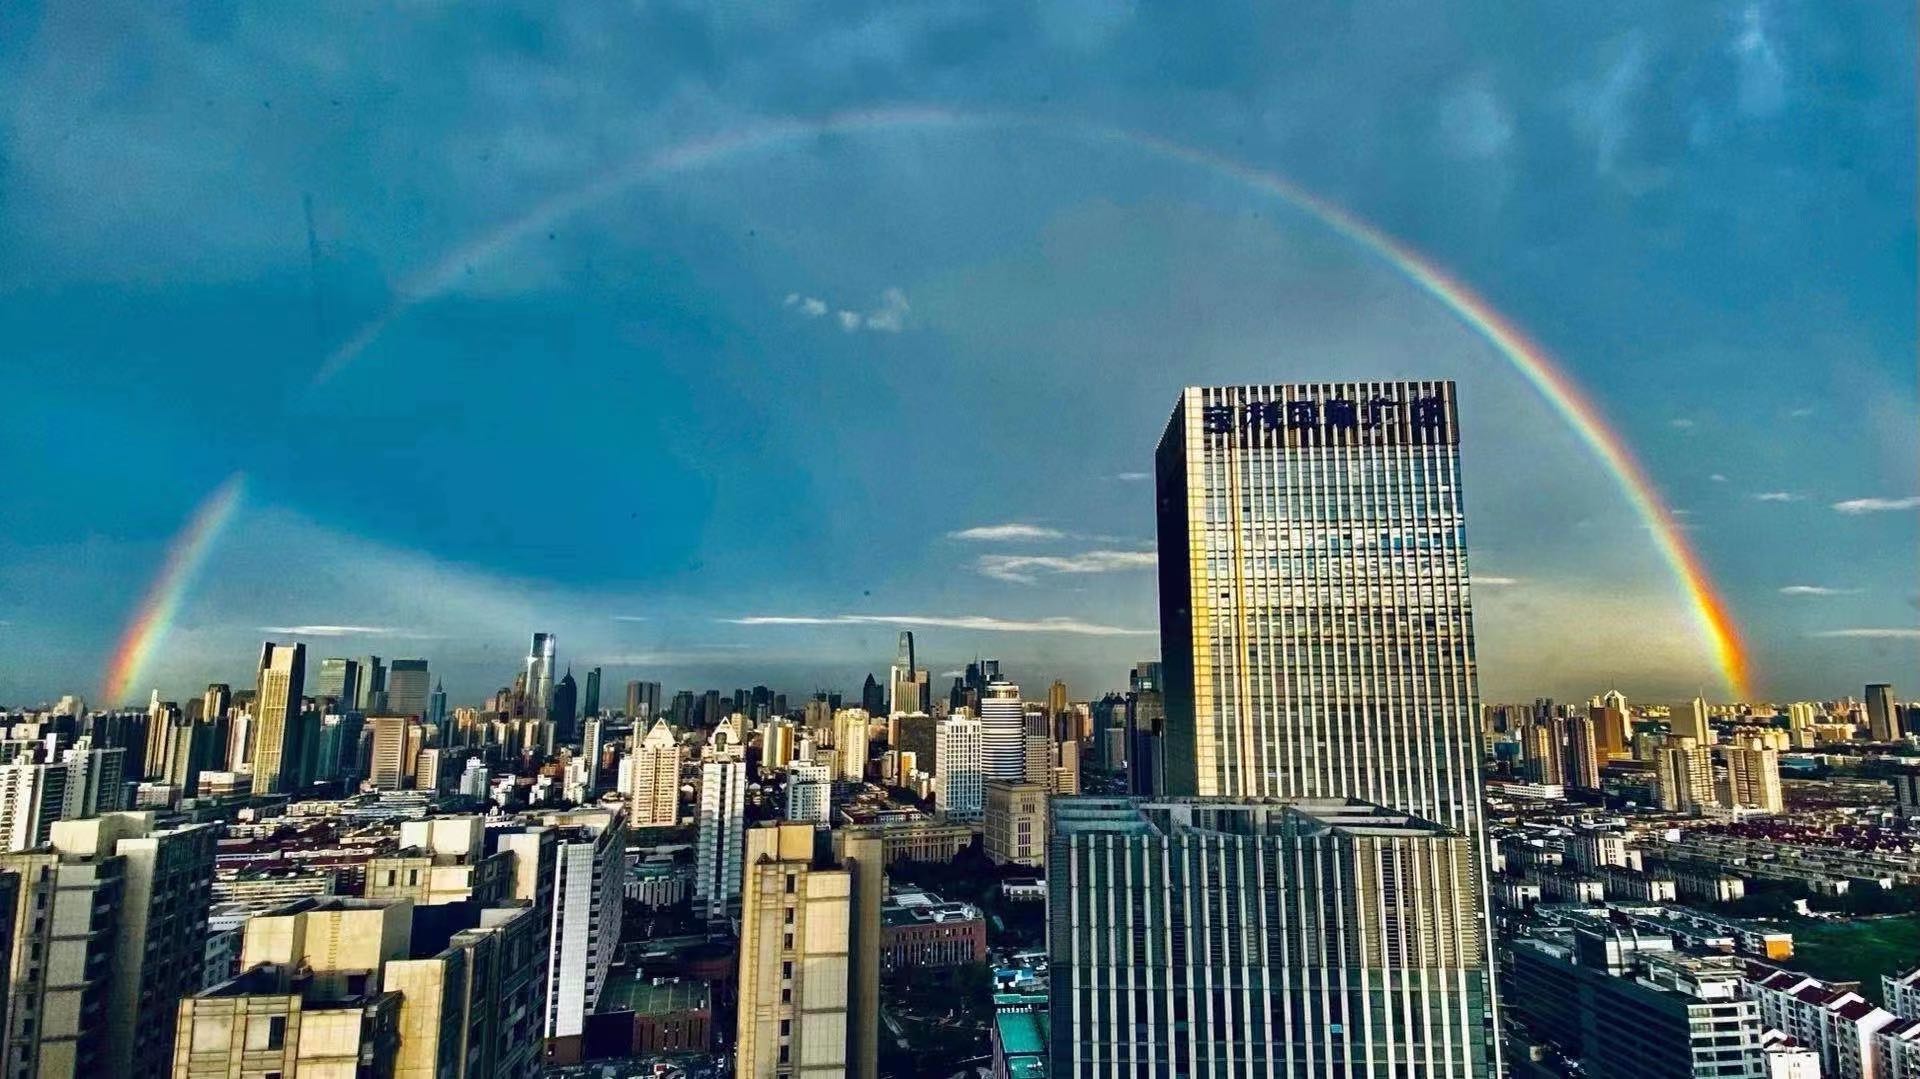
395, 742
655, 779
920, 840
276, 715
1683, 776
850, 736
1016, 822
809, 953
441, 860
1753, 778
108, 930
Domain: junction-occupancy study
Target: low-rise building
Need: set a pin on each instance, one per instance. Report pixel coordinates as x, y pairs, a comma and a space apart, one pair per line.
922, 930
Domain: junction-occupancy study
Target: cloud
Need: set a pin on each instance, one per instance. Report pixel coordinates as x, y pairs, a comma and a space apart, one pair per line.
335, 631
1817, 590
891, 316
1890, 633
699, 654
1133, 477
1025, 568
1474, 124
1878, 505
1606, 110
1717, 478
1800, 413
975, 622
1012, 530
1681, 423
1493, 582
1776, 496
849, 320
630, 618
1762, 77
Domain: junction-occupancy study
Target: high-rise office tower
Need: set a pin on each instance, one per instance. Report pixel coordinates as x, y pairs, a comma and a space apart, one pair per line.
437, 708
958, 775
1883, 720
908, 687
565, 709
654, 779
408, 686
643, 702
850, 744
1612, 730
371, 693
873, 697
1542, 750
810, 793
340, 679
590, 695
391, 763
1583, 754
587, 895
1317, 938
917, 733
1317, 638
723, 817
809, 954
1692, 722
1038, 748
109, 934
540, 675
1056, 699
215, 702
1003, 732
276, 717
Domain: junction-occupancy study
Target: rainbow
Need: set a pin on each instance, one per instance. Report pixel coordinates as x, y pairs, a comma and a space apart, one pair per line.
187, 553
1532, 361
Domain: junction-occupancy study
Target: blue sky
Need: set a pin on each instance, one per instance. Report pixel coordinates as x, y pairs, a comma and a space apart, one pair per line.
647, 427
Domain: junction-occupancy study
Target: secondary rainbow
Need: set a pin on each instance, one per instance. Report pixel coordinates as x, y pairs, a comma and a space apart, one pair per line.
187, 553
1533, 362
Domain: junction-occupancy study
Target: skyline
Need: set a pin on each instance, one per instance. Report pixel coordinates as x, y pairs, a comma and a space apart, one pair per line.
728, 388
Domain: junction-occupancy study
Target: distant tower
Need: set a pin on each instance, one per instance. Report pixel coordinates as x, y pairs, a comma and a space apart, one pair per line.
437, 708
280, 685
563, 709
1003, 732
408, 685
590, 696
540, 676
1883, 723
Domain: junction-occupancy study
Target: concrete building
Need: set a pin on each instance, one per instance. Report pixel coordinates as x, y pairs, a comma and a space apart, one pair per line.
919, 839
810, 793
108, 933
394, 742
588, 893
1332, 937
1883, 716
924, 931
958, 773
850, 744
809, 954
654, 780
1015, 830
1839, 1024
441, 860
1753, 779
1003, 732
717, 847
1683, 777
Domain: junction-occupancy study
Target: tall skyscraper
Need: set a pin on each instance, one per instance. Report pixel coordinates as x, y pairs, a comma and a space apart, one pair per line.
587, 896
810, 793
590, 695
371, 694
959, 779
540, 675
408, 686
1317, 638
1883, 721
1003, 732
437, 708
1753, 778
565, 708
1583, 755
1056, 700
1683, 776
1317, 643
1318, 938
339, 679
908, 688
873, 697
643, 702
716, 852
394, 743
850, 744
1692, 722
654, 779
276, 714
809, 954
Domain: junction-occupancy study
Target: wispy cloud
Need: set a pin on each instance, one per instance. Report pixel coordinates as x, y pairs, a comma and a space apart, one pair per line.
1762, 76
1878, 505
1682, 423
706, 653
1026, 568
1493, 582
1717, 478
334, 631
1888, 633
1012, 530
975, 622
630, 618
1776, 496
1133, 477
889, 317
1817, 590
1800, 413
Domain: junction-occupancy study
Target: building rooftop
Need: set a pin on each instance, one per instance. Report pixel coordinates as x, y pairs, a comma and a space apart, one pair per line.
632, 992
1022, 1032
1233, 816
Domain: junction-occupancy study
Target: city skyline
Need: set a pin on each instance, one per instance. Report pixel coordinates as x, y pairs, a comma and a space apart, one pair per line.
741, 324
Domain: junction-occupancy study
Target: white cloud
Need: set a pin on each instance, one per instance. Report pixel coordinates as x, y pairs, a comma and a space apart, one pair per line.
1025, 568
1800, 413
1817, 590
1493, 582
1776, 496
1762, 77
1901, 633
1012, 530
1681, 423
849, 320
1717, 478
334, 631
891, 317
1878, 505
1133, 477
1474, 123
630, 618
976, 622
813, 308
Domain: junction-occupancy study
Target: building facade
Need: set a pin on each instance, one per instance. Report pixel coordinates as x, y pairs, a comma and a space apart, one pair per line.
717, 846
958, 774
